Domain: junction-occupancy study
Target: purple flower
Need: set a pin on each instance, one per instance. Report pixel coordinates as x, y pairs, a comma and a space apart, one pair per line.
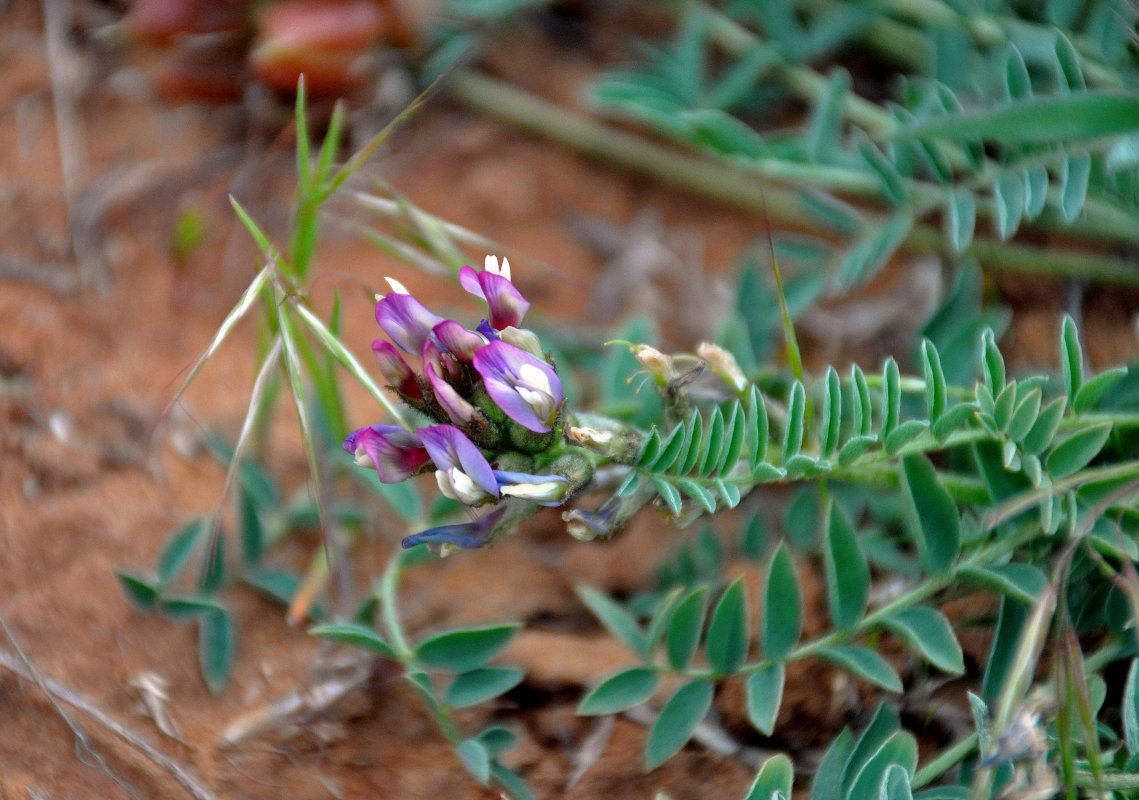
545, 490
396, 371
462, 472
466, 534
524, 386
406, 320
507, 305
459, 410
396, 454
457, 340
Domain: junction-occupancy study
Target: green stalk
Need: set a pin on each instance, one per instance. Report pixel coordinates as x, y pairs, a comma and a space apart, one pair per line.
731, 187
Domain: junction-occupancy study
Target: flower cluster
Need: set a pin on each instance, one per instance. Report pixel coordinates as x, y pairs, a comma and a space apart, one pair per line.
494, 399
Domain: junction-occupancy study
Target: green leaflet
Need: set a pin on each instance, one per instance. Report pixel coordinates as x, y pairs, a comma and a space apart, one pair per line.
831, 413
464, 649
864, 663
862, 410
883, 725
764, 690
621, 690
1071, 358
793, 433
782, 607
475, 758
899, 750
930, 632
874, 249
1008, 194
728, 630
178, 548
827, 784
356, 635
140, 591
618, 621
1074, 184
773, 780
848, 576
678, 719
482, 684
684, 628
1022, 582
216, 648
936, 397
935, 512
1131, 708
1076, 451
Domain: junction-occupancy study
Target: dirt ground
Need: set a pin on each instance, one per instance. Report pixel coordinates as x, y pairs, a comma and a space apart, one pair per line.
93, 347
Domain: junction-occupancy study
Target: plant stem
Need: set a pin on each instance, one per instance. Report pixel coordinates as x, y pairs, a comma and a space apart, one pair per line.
944, 761
731, 187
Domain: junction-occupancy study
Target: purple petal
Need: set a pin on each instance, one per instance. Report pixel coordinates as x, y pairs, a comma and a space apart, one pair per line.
395, 453
459, 341
486, 330
466, 534
406, 320
507, 305
469, 280
524, 386
459, 410
450, 448
395, 370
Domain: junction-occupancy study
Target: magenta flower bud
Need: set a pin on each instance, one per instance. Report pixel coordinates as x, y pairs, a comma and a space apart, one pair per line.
465, 534
507, 305
395, 370
523, 385
445, 364
395, 453
462, 472
406, 320
457, 340
459, 410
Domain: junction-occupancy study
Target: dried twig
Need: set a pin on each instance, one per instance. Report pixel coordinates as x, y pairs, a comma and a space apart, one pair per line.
58, 694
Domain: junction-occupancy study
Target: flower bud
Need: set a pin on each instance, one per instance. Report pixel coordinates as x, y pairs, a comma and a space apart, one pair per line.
522, 339
659, 365
724, 364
